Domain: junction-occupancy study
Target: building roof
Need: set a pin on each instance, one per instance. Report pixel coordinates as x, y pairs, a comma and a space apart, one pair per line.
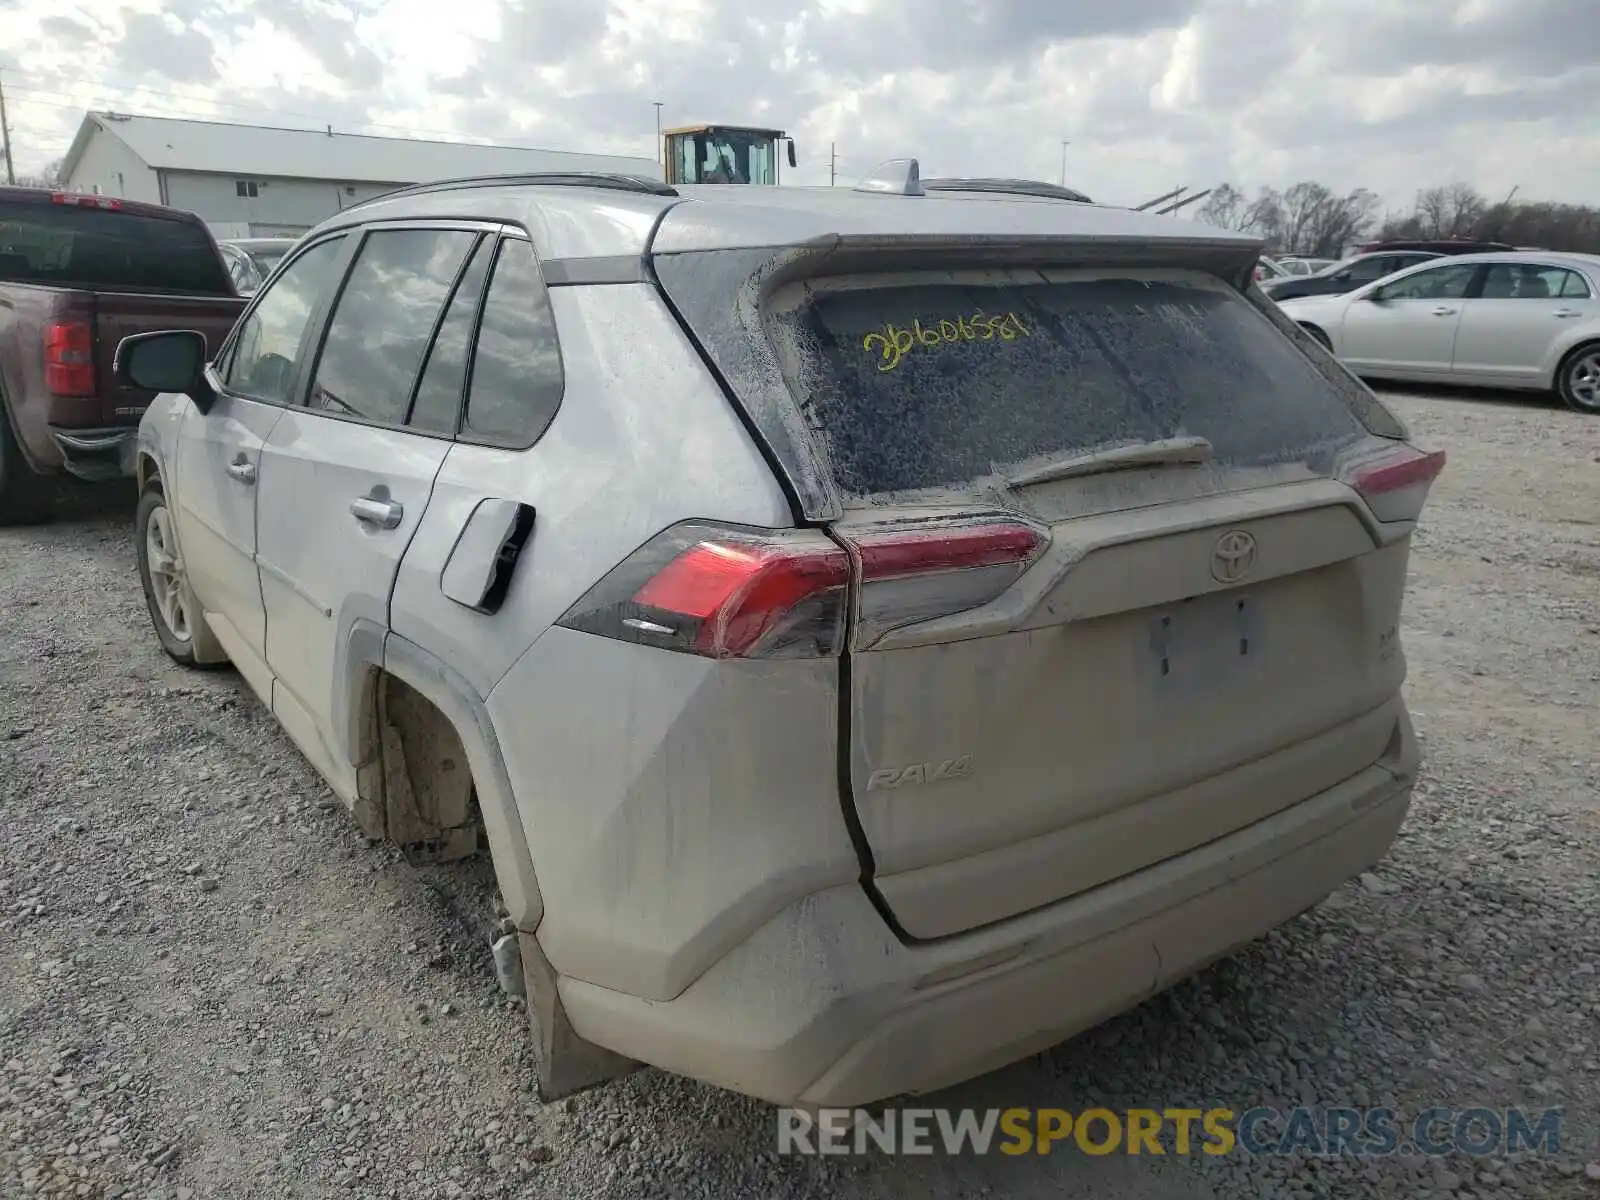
263, 152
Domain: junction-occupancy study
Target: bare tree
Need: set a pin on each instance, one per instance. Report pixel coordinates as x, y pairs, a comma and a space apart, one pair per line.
50, 177
1318, 221
1226, 208
1311, 218
1454, 210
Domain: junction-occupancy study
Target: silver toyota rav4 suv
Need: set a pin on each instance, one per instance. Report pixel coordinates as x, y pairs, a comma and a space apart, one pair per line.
876, 633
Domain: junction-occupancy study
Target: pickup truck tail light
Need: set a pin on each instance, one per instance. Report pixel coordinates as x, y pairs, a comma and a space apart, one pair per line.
82, 200
69, 358
724, 592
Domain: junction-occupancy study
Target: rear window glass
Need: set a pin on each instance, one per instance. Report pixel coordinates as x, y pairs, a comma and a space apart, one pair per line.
915, 385
62, 245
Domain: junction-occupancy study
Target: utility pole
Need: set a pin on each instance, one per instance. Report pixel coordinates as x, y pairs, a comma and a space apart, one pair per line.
5, 135
1064, 144
657, 103
833, 162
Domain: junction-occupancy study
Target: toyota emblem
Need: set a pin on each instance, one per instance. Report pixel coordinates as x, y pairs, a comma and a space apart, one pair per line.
1233, 557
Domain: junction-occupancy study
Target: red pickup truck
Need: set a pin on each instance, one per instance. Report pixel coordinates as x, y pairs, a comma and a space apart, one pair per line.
78, 274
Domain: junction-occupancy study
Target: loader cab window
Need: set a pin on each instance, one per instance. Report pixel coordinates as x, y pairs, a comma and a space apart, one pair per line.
727, 156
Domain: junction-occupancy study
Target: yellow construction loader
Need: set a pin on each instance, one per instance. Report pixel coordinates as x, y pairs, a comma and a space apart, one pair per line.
724, 154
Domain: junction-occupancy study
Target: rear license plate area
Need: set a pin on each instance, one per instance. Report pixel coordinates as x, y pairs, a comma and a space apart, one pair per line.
1205, 642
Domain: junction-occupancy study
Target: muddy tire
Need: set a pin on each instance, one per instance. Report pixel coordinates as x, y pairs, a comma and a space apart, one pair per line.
180, 625
25, 497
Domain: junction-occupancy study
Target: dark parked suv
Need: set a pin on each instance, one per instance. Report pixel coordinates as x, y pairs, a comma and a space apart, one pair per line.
1346, 276
1439, 246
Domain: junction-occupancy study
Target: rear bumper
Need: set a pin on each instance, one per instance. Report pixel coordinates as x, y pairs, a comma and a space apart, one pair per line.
97, 454
823, 1006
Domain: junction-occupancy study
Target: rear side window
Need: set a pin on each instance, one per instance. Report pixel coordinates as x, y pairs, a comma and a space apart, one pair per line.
383, 321
916, 385
64, 245
517, 377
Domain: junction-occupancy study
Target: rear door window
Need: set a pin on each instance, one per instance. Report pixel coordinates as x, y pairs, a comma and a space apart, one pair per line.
913, 385
383, 321
69, 245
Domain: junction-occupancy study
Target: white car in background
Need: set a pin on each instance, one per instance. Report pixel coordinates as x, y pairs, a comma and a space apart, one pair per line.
1305, 266
1524, 320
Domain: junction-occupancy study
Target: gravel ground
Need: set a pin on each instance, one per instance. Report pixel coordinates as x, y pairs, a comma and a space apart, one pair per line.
213, 987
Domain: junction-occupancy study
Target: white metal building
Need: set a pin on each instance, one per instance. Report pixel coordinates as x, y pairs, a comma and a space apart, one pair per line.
256, 181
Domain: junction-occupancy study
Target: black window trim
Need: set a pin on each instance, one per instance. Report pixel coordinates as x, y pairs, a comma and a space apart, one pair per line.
306, 367
510, 234
476, 248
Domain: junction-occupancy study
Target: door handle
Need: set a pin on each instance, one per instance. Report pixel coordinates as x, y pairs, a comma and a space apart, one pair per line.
373, 510
1567, 312
243, 471
1444, 311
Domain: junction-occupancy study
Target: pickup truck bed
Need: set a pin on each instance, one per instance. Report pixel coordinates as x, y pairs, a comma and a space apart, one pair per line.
77, 275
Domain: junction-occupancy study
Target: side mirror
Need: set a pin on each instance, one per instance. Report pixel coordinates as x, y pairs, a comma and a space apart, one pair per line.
791, 152
169, 361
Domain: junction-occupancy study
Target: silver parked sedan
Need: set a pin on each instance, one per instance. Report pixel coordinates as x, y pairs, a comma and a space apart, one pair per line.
875, 633
1524, 320
251, 261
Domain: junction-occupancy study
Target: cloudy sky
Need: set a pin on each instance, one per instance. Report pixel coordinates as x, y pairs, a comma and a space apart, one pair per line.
1391, 95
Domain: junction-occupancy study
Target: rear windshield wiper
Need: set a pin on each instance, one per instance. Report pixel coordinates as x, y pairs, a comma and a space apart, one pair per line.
1165, 452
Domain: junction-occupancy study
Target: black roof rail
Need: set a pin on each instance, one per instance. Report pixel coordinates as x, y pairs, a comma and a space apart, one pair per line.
594, 179
1007, 187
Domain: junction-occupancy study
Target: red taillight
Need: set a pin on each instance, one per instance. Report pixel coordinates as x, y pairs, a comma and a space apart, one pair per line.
740, 593
888, 553
81, 200
1395, 485
735, 593
1397, 471
913, 574
69, 358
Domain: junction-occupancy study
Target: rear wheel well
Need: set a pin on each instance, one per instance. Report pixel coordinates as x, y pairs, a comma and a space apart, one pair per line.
146, 474
414, 783
415, 788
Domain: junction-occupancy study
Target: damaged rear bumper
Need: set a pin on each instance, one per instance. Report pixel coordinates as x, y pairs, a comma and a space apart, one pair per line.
823, 1006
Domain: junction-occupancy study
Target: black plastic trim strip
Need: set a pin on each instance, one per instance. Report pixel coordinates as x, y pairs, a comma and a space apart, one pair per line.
577, 272
847, 807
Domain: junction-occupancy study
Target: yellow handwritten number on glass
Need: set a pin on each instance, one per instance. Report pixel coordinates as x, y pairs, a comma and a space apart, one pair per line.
892, 343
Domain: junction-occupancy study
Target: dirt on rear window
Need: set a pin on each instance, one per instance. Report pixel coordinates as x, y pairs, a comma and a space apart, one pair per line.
919, 383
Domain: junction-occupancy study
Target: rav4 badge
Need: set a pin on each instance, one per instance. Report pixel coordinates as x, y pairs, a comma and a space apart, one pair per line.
893, 777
